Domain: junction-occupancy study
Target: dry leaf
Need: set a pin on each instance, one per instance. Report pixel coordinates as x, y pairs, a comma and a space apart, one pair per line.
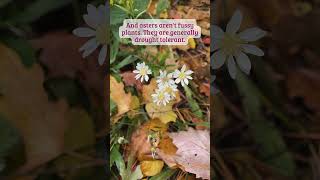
205, 88
61, 57
41, 123
129, 79
193, 153
119, 96
164, 113
151, 168
305, 83
167, 151
139, 145
148, 90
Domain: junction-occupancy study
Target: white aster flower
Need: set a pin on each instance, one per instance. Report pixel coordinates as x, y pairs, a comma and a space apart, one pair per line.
182, 76
171, 89
96, 19
122, 140
231, 45
161, 97
142, 71
165, 79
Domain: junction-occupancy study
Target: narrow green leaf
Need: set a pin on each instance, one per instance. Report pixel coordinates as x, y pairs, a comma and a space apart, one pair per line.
195, 108
116, 157
128, 60
272, 147
114, 50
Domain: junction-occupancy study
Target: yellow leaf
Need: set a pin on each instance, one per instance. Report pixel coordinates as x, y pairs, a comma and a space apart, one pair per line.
151, 168
135, 103
119, 96
164, 113
192, 43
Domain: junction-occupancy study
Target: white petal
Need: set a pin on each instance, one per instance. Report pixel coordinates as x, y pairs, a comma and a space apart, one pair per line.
216, 32
189, 77
252, 34
232, 67
138, 76
146, 78
183, 68
215, 44
177, 81
217, 59
89, 47
92, 10
135, 71
189, 72
149, 72
234, 23
102, 55
182, 83
186, 81
244, 62
91, 21
252, 49
84, 32
141, 78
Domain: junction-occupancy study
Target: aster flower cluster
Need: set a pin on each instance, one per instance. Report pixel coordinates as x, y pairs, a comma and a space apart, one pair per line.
166, 82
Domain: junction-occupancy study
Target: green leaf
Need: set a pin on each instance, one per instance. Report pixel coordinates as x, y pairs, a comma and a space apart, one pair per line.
195, 108
272, 147
116, 157
162, 5
8, 136
137, 174
140, 6
128, 60
67, 88
114, 50
165, 174
117, 15
4, 2
113, 106
22, 47
37, 9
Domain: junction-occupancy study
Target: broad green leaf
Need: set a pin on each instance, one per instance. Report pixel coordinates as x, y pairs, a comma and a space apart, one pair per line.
165, 174
4, 2
272, 147
162, 5
37, 9
117, 15
195, 108
22, 47
140, 6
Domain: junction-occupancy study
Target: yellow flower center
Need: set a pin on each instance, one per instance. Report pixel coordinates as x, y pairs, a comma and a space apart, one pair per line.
182, 75
102, 34
230, 43
143, 71
161, 96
